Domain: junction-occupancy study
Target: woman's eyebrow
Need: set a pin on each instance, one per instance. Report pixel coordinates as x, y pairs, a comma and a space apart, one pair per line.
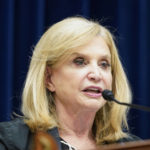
77, 54
105, 56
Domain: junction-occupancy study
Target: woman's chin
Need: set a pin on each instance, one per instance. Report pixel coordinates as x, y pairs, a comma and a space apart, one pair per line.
94, 104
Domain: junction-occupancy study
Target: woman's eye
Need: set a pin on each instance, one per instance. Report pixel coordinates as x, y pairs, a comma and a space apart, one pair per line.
79, 61
105, 64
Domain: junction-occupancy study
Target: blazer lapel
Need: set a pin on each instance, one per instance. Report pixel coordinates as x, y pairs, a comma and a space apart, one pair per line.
54, 133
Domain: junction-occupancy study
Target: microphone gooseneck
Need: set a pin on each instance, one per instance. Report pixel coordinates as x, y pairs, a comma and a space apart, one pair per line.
109, 96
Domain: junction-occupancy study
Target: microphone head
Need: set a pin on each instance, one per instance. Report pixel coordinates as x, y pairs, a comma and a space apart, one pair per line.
108, 95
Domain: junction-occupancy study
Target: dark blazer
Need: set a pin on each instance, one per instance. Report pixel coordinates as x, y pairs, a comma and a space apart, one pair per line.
15, 135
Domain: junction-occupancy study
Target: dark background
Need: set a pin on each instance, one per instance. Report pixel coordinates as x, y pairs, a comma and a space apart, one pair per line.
22, 22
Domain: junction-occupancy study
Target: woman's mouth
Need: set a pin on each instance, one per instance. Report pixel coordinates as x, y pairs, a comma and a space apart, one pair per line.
92, 91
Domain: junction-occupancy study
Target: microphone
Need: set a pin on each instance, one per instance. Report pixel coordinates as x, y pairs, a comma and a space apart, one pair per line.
109, 96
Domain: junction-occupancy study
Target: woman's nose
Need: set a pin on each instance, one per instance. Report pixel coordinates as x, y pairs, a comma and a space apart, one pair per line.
94, 74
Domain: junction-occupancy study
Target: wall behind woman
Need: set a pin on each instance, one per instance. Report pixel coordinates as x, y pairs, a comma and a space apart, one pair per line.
24, 21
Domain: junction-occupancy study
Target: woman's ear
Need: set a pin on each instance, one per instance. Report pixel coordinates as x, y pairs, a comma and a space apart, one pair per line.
48, 81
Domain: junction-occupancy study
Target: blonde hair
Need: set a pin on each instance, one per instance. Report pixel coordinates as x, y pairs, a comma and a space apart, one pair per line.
56, 43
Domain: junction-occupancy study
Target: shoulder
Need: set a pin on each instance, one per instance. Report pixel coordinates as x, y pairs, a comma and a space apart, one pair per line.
129, 138
14, 134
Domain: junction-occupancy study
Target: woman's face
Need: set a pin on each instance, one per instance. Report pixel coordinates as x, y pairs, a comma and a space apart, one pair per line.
79, 81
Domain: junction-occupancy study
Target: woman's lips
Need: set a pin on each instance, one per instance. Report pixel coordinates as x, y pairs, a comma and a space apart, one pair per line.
93, 91
92, 94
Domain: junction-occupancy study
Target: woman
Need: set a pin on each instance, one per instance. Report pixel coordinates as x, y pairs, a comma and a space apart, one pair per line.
74, 61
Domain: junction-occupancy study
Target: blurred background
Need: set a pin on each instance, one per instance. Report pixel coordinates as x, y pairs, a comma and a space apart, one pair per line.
22, 22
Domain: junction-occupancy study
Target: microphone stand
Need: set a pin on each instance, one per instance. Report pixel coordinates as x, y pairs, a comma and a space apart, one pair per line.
109, 96
135, 106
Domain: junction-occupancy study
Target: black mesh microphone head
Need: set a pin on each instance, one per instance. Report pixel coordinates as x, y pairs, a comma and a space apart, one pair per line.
108, 95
